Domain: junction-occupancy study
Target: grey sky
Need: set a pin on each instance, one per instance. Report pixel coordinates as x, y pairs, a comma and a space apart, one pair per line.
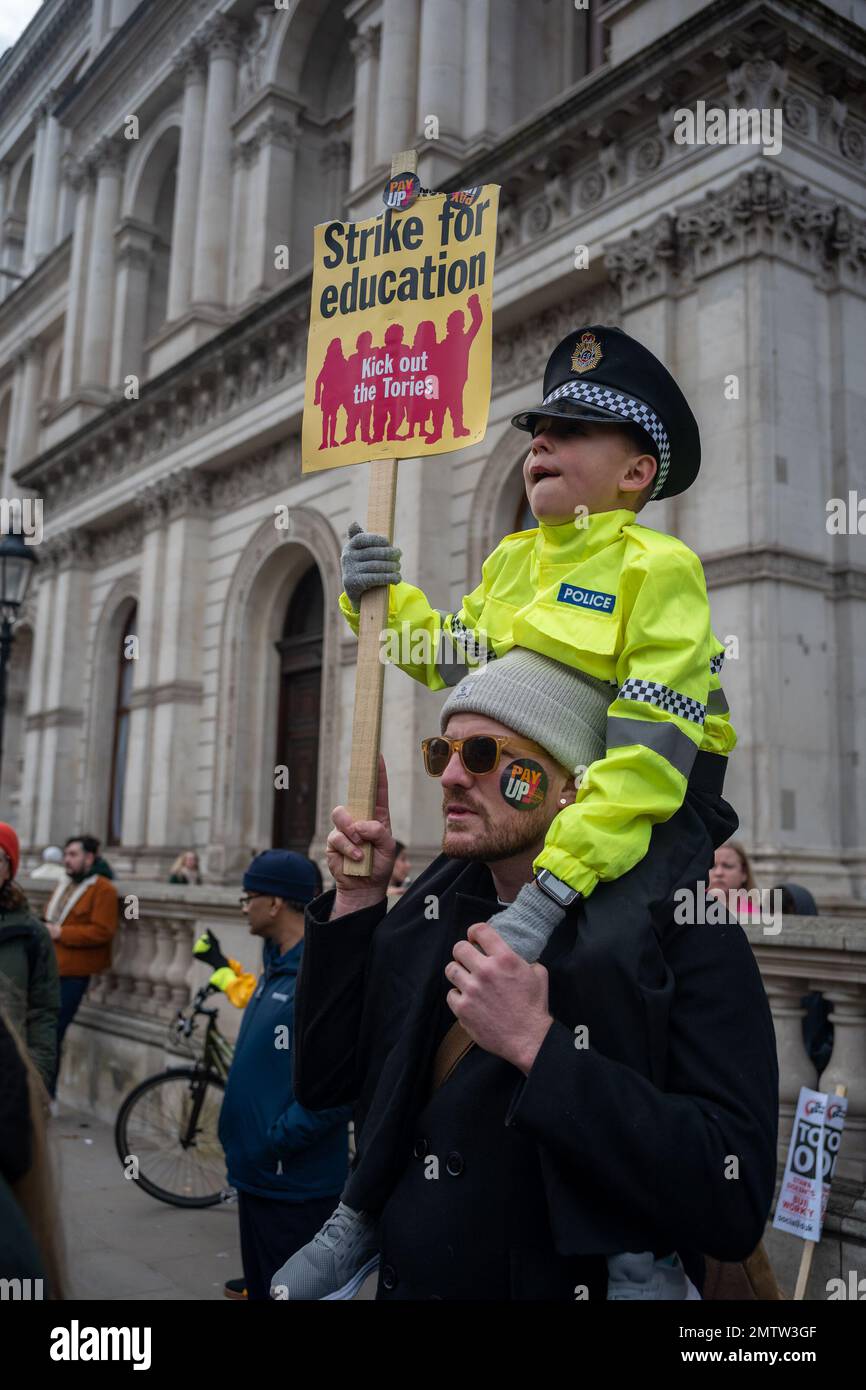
15, 15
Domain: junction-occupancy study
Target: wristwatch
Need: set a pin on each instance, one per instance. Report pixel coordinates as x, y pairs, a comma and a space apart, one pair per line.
561, 893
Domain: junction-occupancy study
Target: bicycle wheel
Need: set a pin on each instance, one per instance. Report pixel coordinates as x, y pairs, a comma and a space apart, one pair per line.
168, 1124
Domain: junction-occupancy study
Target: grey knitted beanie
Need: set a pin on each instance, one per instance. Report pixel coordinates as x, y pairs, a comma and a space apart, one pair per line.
563, 710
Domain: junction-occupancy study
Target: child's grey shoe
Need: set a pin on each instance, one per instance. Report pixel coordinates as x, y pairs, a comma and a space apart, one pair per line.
335, 1263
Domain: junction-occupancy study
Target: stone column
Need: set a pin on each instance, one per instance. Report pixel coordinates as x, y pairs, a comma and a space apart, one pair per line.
152, 503
365, 47
78, 175
190, 61
395, 113
847, 1067
28, 254
488, 92
270, 197
49, 179
44, 634
28, 369
440, 65
99, 304
335, 168
177, 677
61, 716
99, 19
133, 260
795, 1066
244, 155
5, 282
210, 266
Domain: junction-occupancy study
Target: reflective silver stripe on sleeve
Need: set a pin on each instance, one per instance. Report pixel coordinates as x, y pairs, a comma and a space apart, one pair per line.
716, 702
663, 738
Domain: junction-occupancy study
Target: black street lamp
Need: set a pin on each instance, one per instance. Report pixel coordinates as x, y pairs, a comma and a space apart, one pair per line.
16, 571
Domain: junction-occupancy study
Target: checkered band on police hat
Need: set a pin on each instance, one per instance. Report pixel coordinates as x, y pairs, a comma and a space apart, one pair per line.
629, 408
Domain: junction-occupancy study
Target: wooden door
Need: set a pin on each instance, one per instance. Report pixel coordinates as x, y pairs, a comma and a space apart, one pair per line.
300, 651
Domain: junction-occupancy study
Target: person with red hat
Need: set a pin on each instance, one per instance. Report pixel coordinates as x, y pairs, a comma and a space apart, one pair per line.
29, 988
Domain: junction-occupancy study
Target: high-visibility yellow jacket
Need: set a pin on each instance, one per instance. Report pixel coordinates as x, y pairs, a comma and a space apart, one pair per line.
623, 603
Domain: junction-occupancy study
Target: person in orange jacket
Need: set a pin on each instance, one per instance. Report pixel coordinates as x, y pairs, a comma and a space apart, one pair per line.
81, 917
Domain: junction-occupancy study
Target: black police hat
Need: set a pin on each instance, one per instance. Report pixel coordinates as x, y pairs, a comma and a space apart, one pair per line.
600, 373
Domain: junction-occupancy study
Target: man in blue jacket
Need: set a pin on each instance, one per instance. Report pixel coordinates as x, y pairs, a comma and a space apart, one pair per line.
289, 1164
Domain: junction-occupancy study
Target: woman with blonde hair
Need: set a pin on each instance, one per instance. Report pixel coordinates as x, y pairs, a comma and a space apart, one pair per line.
731, 879
185, 868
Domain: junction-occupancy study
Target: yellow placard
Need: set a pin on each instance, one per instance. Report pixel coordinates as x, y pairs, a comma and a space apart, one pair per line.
399, 351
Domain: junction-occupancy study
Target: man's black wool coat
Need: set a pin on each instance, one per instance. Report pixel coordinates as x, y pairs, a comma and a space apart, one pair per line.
540, 1177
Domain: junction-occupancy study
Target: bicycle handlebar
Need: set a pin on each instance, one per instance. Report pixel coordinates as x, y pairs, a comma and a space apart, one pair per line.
185, 1023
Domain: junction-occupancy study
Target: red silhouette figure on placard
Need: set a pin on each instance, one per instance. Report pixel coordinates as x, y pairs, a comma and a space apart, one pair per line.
451, 367
358, 412
389, 409
333, 389
418, 406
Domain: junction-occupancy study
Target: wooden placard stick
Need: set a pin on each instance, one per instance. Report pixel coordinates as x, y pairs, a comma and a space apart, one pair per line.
809, 1245
370, 670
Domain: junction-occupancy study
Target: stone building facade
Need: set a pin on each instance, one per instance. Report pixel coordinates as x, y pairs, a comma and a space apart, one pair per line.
153, 156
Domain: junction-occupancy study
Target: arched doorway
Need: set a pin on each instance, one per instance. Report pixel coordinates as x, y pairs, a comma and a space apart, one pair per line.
300, 653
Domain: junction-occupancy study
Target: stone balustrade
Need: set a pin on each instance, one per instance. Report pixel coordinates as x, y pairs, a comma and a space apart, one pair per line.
122, 1031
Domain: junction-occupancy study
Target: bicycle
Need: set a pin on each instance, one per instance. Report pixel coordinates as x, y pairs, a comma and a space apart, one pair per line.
168, 1123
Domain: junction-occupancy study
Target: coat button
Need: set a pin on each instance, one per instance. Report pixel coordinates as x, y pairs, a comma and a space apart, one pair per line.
454, 1164
421, 1147
389, 1277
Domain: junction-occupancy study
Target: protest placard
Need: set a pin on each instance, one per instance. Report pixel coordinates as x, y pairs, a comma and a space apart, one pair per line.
399, 349
809, 1169
398, 366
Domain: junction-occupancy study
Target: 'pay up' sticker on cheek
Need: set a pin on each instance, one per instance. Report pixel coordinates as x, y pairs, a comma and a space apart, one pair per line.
524, 784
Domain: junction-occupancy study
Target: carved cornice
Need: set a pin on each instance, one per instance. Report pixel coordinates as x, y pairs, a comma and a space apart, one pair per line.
848, 583
107, 155
119, 542
260, 354
775, 563
520, 353
76, 172
760, 213
63, 716
106, 95
220, 37
68, 550
335, 154
366, 43
261, 473
34, 55
175, 495
191, 62
171, 693
134, 257
282, 129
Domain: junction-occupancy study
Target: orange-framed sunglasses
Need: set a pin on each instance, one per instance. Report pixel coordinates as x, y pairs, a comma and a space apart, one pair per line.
479, 753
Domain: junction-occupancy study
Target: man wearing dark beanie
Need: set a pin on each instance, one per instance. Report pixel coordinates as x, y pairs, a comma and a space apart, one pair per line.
287, 1163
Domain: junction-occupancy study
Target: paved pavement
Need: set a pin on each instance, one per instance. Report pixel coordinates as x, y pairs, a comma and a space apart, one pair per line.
122, 1244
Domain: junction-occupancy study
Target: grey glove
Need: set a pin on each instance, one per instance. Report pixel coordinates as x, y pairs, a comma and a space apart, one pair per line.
367, 561
527, 924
